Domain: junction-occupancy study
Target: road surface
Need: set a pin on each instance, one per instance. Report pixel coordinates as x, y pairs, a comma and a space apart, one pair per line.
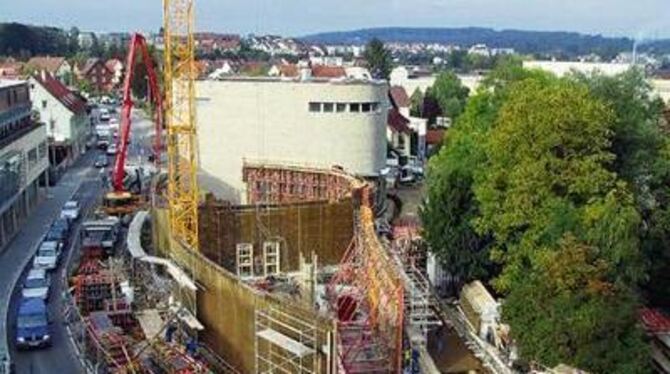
82, 181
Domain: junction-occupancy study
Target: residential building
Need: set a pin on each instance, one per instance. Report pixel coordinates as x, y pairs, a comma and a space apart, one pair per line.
23, 158
64, 114
56, 66
323, 71
415, 78
97, 74
284, 70
311, 122
11, 69
412, 143
657, 326
86, 39
116, 67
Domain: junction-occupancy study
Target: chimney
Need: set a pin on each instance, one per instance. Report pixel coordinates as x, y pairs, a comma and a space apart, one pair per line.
44, 74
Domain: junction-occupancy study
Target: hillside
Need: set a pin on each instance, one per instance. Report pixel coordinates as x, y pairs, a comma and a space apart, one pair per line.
570, 43
24, 41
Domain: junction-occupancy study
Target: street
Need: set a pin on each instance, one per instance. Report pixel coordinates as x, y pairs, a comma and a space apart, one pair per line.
83, 183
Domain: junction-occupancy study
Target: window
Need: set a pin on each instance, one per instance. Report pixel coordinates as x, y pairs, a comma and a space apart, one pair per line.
44, 104
32, 157
375, 107
315, 107
354, 107
366, 107
341, 107
328, 107
43, 150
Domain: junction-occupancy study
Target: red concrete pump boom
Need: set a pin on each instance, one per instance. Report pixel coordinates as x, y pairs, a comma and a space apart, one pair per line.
137, 45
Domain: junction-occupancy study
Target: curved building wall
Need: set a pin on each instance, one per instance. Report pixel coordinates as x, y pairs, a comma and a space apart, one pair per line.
277, 121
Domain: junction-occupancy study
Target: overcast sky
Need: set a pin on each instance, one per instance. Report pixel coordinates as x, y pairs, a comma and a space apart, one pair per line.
647, 18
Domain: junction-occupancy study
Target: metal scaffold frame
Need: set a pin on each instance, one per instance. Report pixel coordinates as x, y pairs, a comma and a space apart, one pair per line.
180, 74
368, 298
285, 343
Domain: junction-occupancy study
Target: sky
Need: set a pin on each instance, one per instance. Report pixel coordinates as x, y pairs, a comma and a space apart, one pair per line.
634, 18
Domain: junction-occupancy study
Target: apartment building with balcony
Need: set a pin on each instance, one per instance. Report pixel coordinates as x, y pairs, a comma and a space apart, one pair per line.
23, 158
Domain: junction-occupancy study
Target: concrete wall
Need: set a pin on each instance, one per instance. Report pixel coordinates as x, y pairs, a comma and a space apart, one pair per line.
323, 228
266, 119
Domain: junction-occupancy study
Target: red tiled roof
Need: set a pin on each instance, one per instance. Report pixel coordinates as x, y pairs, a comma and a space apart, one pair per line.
322, 71
50, 64
655, 321
399, 97
434, 136
398, 122
112, 63
58, 90
288, 70
10, 70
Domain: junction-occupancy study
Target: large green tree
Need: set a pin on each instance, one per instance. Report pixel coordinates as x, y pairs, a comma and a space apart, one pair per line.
379, 59
450, 207
567, 310
450, 94
641, 154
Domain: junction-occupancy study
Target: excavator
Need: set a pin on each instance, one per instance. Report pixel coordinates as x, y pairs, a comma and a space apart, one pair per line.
126, 194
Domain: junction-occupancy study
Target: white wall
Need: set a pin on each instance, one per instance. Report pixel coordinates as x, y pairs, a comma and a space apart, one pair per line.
561, 68
67, 127
269, 119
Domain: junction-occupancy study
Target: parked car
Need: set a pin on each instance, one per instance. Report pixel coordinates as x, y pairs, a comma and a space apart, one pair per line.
111, 149
104, 115
36, 285
101, 161
61, 226
47, 255
114, 124
32, 325
70, 210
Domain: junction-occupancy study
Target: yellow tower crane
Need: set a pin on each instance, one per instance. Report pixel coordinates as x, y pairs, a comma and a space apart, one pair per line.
179, 83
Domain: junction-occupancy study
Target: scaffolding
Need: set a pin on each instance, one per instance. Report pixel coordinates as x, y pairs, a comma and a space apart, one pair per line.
285, 343
368, 298
420, 308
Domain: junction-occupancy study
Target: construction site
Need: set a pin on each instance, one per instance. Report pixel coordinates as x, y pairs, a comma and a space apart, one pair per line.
301, 278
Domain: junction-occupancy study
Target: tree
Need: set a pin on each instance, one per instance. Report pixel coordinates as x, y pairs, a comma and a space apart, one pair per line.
416, 103
449, 94
378, 58
568, 311
73, 41
450, 209
643, 161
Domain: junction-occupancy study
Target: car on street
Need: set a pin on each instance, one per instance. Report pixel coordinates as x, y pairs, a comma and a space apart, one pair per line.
36, 285
104, 115
47, 255
111, 149
114, 124
70, 210
101, 161
32, 325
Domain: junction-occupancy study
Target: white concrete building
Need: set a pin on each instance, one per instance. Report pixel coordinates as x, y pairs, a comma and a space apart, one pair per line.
561, 68
23, 158
312, 122
405, 78
65, 116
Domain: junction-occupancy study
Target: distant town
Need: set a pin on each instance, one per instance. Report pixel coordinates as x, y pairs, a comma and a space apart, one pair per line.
393, 200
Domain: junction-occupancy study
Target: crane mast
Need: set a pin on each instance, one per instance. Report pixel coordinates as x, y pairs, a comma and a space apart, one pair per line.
180, 75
